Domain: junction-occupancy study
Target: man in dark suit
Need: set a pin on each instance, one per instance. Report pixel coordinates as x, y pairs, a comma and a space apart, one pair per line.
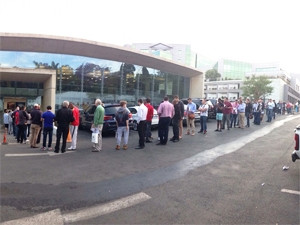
64, 117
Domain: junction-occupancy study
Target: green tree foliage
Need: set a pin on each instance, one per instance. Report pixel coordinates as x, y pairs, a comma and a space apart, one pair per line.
257, 87
212, 75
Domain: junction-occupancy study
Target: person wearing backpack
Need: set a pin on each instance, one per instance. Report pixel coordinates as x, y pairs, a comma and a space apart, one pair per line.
122, 119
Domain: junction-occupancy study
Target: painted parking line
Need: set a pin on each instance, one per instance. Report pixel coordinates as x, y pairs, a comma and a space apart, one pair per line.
52, 217
290, 191
107, 208
36, 154
55, 217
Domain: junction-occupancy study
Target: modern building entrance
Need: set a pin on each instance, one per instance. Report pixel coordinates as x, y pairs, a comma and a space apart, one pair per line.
26, 87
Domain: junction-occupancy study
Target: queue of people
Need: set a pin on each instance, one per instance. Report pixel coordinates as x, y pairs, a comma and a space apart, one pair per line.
228, 115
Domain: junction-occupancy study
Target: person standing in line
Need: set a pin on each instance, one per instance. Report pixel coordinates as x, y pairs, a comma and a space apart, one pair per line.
270, 106
98, 124
149, 120
203, 108
257, 118
10, 122
64, 117
181, 106
6, 120
248, 111
234, 114
226, 113
165, 112
35, 127
48, 119
22, 125
190, 117
219, 115
241, 113
38, 140
275, 109
175, 120
74, 126
122, 119
28, 124
15, 116
141, 121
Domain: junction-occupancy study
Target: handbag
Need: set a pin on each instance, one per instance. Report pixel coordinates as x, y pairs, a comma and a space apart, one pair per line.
95, 138
191, 116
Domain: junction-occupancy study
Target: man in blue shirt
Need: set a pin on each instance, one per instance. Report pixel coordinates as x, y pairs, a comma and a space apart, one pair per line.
48, 118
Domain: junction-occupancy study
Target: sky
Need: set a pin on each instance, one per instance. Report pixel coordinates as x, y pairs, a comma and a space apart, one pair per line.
256, 31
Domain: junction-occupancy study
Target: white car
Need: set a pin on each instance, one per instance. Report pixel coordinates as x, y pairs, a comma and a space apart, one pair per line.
133, 121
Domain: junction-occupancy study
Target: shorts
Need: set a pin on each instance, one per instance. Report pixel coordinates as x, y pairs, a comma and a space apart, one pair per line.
219, 116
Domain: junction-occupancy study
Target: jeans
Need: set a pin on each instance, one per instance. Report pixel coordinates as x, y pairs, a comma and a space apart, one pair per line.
257, 118
269, 114
47, 131
203, 120
164, 123
233, 120
120, 132
148, 130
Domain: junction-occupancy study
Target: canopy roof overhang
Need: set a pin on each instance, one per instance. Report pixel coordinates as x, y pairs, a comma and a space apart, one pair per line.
81, 47
20, 74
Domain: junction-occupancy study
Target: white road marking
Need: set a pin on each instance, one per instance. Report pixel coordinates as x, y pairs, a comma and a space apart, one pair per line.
36, 154
25, 154
107, 208
290, 191
52, 217
207, 156
55, 217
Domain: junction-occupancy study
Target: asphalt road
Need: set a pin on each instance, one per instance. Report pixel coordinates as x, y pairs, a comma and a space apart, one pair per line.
233, 177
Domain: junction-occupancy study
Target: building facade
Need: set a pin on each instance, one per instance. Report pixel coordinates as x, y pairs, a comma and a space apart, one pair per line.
82, 71
220, 89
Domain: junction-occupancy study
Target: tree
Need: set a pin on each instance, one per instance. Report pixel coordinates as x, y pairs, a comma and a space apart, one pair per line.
257, 87
212, 75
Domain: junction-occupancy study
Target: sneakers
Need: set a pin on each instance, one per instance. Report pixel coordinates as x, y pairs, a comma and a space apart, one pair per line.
50, 149
118, 147
43, 148
125, 147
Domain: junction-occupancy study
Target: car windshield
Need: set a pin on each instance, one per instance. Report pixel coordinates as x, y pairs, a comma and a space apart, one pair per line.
111, 109
132, 110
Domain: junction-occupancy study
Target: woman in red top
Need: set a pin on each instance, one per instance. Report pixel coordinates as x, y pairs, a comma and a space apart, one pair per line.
74, 126
149, 119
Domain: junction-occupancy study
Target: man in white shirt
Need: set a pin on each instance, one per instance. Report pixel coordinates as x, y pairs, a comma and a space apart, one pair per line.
141, 121
203, 108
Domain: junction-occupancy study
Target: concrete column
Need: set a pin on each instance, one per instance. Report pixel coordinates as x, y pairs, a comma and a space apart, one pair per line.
49, 92
197, 86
